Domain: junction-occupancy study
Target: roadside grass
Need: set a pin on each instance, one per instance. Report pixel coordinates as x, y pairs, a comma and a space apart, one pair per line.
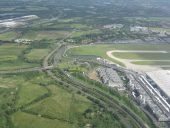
29, 92
37, 54
62, 105
25, 120
8, 36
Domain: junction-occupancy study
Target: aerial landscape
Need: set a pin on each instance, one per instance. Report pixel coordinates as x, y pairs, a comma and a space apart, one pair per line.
84, 64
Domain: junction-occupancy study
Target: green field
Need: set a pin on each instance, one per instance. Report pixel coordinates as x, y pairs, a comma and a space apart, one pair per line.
142, 56
11, 49
40, 35
100, 50
8, 36
37, 54
16, 65
61, 104
10, 57
39, 102
10, 82
162, 63
26, 93
84, 33
24, 120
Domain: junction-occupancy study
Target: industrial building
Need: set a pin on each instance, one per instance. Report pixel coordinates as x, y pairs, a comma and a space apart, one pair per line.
110, 77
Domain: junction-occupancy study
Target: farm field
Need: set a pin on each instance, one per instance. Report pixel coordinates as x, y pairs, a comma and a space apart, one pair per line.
40, 35
8, 36
25, 94
61, 104
21, 119
10, 57
37, 54
84, 33
50, 105
16, 65
10, 82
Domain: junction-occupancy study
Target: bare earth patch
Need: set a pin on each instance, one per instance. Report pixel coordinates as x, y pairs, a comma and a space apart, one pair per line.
93, 75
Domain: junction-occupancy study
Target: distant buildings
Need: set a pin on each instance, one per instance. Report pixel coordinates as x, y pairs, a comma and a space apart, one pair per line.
149, 97
139, 29
113, 26
16, 22
22, 41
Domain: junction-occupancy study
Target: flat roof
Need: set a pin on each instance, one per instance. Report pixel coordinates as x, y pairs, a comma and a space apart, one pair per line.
162, 79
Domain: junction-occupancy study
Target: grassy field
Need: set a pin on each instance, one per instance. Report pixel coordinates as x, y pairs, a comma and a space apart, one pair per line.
62, 109
37, 54
84, 33
100, 50
142, 56
69, 20
151, 62
40, 35
29, 92
10, 57
61, 104
10, 82
16, 65
24, 120
7, 96
11, 49
8, 36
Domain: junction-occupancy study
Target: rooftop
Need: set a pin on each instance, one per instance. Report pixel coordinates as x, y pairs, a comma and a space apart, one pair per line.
162, 79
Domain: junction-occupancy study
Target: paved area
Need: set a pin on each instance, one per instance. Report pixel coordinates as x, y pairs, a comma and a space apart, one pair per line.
129, 65
162, 78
